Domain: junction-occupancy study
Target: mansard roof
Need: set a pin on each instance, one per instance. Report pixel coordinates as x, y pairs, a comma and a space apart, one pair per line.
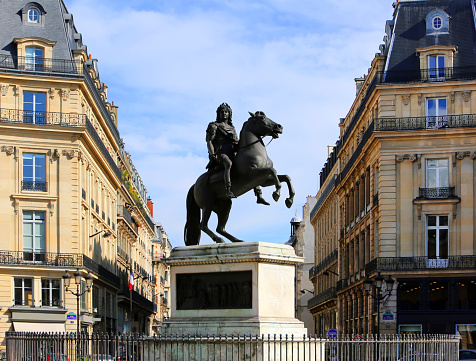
57, 26
410, 32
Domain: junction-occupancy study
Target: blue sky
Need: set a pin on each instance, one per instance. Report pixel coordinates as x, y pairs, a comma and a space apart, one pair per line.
169, 64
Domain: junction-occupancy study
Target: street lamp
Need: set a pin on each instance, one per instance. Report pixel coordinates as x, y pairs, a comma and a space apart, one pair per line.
105, 234
303, 291
384, 287
77, 279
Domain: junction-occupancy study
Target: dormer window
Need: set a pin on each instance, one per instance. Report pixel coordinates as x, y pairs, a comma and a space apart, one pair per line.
437, 22
33, 16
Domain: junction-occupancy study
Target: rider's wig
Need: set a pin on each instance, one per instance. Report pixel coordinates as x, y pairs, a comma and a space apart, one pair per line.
227, 107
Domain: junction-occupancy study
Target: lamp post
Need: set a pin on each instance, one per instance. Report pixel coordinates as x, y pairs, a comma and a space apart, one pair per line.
78, 277
383, 287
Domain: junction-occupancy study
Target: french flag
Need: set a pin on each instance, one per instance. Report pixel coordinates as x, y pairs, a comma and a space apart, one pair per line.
131, 280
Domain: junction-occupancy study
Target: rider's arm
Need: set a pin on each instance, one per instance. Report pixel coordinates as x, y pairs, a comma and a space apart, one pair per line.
211, 132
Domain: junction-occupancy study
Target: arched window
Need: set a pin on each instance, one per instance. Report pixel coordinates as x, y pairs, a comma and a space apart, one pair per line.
33, 16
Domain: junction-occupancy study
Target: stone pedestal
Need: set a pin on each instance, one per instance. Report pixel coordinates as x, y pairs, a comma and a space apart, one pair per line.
237, 288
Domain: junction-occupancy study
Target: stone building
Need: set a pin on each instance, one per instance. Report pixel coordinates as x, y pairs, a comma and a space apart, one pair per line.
161, 248
397, 191
71, 198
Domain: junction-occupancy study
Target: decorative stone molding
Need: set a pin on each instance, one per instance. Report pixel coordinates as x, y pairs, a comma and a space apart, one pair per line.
9, 150
401, 157
51, 92
420, 98
473, 155
65, 94
69, 153
461, 155
16, 90
466, 94
4, 89
406, 99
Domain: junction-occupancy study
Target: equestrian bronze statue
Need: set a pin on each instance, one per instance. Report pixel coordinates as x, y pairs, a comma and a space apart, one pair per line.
249, 168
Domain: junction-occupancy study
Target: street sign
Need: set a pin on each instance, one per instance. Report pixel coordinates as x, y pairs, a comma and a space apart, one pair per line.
387, 316
332, 333
71, 316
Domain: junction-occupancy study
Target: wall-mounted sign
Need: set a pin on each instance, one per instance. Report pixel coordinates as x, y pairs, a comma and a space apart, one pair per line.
71, 316
387, 316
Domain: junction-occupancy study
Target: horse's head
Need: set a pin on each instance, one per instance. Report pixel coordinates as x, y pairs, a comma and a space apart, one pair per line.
263, 126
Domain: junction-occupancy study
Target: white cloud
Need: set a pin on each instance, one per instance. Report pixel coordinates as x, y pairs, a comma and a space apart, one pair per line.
169, 65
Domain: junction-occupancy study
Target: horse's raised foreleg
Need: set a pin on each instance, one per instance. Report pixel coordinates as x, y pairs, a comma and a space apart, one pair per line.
206, 212
270, 172
223, 212
285, 178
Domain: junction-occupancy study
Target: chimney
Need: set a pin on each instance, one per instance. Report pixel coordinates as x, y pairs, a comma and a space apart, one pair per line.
150, 205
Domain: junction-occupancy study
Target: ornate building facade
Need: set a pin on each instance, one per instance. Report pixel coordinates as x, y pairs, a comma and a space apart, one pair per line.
397, 191
71, 198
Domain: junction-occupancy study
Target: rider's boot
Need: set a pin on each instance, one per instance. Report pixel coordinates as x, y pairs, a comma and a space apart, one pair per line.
259, 197
228, 193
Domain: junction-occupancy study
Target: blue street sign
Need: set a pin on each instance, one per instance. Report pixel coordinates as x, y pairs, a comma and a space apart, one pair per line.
71, 316
332, 333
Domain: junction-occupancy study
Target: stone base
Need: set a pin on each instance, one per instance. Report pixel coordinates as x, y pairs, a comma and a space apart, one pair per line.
197, 307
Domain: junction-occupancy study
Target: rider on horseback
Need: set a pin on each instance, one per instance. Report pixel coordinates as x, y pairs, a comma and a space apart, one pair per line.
222, 145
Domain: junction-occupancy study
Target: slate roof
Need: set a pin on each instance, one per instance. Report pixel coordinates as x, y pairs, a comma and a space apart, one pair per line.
58, 26
410, 33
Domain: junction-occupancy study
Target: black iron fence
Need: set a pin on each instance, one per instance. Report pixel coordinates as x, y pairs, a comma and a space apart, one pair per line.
126, 347
329, 294
419, 263
324, 264
34, 186
42, 118
426, 122
37, 64
441, 192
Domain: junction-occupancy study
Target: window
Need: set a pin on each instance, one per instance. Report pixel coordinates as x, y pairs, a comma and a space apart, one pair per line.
436, 111
34, 58
409, 296
438, 295
436, 67
33, 16
467, 295
34, 108
23, 291
34, 169
437, 177
437, 22
50, 292
34, 236
437, 241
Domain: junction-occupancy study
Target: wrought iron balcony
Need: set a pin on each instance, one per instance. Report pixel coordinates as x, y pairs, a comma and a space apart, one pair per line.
34, 186
420, 263
342, 284
137, 299
331, 257
327, 295
47, 259
42, 118
426, 122
428, 75
437, 193
44, 65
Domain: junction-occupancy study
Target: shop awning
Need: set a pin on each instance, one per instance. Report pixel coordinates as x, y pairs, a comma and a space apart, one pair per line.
38, 327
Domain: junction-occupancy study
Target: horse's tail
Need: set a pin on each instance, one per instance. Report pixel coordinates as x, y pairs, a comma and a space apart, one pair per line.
192, 231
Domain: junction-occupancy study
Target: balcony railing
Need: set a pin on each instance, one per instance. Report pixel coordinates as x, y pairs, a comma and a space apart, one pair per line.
420, 263
47, 259
437, 193
426, 122
137, 298
44, 65
42, 118
324, 264
428, 75
34, 186
322, 297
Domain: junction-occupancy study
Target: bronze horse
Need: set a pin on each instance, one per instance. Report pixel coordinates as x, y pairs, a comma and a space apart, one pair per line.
251, 168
